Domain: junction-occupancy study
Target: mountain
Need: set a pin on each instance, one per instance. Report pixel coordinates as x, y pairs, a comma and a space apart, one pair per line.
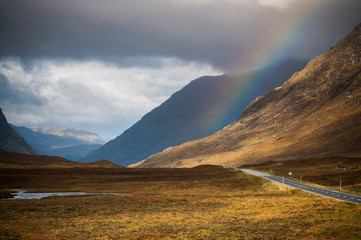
45, 142
315, 114
10, 140
201, 108
74, 152
79, 135
72, 144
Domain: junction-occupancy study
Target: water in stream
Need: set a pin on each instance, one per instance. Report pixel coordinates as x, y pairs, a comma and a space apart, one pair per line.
21, 194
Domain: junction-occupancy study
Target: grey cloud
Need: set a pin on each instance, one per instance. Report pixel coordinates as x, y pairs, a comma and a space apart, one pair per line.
11, 96
124, 31
5, 88
95, 94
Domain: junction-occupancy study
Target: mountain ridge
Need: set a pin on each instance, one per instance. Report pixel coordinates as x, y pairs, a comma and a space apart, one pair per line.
315, 114
68, 145
44, 140
193, 112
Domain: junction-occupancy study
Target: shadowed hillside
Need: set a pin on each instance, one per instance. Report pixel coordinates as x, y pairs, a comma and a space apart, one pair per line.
201, 108
10, 140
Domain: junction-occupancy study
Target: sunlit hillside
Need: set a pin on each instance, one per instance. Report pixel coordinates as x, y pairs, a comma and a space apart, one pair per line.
315, 114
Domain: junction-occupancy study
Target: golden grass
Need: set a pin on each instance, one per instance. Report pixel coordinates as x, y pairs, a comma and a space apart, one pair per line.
208, 203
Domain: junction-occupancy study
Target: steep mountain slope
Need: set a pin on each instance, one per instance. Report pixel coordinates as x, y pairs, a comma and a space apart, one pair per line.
315, 114
10, 140
201, 108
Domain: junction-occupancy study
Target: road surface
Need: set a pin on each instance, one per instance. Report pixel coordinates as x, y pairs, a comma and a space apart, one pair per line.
308, 188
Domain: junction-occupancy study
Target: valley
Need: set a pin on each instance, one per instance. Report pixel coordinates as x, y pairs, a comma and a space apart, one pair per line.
164, 203
194, 120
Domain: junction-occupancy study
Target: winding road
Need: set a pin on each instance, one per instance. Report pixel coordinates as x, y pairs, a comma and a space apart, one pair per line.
308, 188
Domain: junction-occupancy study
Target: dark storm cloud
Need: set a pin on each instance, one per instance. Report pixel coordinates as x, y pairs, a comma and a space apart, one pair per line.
104, 64
217, 32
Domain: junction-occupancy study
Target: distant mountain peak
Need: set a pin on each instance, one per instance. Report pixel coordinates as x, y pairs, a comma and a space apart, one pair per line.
87, 137
69, 143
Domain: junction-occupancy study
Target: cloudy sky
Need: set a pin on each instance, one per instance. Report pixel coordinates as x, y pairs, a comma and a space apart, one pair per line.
101, 65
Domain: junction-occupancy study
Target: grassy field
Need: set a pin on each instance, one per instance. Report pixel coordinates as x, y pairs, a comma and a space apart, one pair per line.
205, 202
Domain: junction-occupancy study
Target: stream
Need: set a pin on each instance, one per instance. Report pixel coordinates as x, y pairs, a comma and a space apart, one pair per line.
21, 194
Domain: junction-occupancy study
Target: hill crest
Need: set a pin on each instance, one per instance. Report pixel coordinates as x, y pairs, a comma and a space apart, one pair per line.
105, 163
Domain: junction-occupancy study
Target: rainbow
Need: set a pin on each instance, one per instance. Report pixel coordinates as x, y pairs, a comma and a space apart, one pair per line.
283, 42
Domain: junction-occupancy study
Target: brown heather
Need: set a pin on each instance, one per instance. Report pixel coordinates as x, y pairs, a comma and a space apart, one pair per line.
206, 202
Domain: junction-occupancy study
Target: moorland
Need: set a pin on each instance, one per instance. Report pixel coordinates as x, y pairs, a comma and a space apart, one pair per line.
205, 202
